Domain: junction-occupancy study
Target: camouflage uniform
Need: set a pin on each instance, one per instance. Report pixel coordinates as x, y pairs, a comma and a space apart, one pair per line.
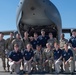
9, 48
48, 55
25, 42
62, 42
9, 44
19, 42
52, 41
38, 60
2, 52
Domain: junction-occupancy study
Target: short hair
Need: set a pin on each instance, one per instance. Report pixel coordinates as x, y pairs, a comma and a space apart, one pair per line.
42, 29
57, 42
35, 33
63, 34
74, 30
66, 44
51, 33
1, 33
16, 45
17, 34
38, 45
28, 44
49, 44
12, 32
26, 32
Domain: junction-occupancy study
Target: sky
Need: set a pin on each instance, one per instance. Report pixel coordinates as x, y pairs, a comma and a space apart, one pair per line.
67, 10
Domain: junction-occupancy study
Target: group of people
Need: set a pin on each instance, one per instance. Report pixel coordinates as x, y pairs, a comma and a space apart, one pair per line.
40, 53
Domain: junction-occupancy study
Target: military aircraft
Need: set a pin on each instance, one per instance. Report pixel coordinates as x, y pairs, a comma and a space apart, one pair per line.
64, 30
34, 15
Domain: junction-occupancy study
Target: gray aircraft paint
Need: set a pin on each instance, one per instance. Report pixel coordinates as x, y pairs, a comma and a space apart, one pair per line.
38, 12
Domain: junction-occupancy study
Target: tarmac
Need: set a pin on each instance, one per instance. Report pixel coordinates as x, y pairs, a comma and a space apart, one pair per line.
8, 73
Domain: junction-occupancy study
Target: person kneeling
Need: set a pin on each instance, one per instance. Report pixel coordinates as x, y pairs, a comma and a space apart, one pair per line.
28, 57
15, 59
57, 57
67, 59
48, 58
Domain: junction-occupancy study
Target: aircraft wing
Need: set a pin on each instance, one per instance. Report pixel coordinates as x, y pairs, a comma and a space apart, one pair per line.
8, 32
64, 30
68, 30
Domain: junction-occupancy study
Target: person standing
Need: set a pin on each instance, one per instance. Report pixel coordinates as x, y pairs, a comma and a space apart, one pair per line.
9, 46
26, 39
18, 41
35, 41
2, 50
63, 41
51, 40
72, 43
43, 38
72, 40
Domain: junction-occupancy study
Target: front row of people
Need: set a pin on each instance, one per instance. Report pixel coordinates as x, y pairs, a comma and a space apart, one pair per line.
41, 59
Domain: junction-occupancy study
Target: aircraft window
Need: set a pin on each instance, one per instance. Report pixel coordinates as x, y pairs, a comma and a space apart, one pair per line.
33, 13
32, 8
20, 2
